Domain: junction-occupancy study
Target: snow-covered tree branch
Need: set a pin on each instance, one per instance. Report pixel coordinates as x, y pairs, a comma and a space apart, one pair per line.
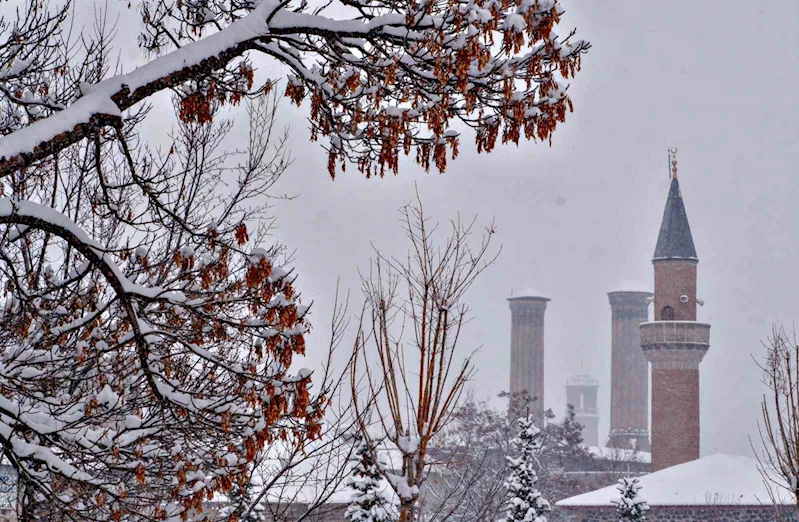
469, 466
146, 332
146, 338
382, 77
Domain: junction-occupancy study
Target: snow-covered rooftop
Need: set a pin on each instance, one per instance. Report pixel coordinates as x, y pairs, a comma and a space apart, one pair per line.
528, 292
317, 480
718, 479
632, 286
312, 493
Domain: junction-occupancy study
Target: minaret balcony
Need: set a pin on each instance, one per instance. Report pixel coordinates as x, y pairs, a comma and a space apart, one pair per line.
675, 344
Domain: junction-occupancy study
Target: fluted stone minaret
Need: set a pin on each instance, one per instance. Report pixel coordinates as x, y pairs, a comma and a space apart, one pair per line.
581, 392
629, 371
674, 343
527, 349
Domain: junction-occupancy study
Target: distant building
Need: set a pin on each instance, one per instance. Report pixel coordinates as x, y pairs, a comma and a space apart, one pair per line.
581, 392
527, 348
629, 371
674, 343
654, 418
681, 486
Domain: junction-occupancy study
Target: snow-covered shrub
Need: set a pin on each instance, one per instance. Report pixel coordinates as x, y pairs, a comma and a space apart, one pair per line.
369, 502
525, 502
630, 507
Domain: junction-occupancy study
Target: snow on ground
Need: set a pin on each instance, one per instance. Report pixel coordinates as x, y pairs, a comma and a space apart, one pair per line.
718, 479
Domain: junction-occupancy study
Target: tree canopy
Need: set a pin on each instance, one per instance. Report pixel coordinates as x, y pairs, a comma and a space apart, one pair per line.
384, 77
146, 332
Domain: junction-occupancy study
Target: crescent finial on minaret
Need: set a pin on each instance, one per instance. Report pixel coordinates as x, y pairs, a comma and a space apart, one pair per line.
673, 162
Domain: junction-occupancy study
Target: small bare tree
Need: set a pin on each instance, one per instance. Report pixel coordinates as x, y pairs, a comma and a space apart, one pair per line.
408, 342
617, 463
469, 468
779, 434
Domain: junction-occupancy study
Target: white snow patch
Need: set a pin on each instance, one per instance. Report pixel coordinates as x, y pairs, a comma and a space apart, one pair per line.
632, 286
530, 292
27, 138
719, 479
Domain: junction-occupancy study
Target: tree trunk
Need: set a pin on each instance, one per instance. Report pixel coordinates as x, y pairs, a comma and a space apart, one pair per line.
407, 512
25, 504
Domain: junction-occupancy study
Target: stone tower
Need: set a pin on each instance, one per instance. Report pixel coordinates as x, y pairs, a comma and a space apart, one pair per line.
527, 349
674, 343
629, 371
581, 392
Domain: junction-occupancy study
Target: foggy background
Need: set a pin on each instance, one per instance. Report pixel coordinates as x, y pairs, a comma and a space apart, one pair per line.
579, 219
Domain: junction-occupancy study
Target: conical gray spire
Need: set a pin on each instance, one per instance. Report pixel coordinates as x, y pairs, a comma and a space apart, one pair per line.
675, 241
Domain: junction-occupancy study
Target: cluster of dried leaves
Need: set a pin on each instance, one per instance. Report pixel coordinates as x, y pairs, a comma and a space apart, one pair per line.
384, 79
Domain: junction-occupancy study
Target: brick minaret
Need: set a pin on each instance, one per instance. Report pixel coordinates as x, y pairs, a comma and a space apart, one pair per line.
675, 343
527, 349
629, 372
581, 392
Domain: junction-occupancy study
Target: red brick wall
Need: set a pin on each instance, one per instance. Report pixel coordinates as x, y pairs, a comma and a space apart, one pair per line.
700, 513
674, 278
675, 417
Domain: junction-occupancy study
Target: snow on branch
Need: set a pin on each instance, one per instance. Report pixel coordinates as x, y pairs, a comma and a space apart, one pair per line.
525, 503
146, 339
630, 507
391, 78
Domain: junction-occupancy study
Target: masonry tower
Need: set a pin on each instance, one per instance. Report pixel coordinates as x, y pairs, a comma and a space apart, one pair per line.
629, 371
674, 343
581, 392
527, 348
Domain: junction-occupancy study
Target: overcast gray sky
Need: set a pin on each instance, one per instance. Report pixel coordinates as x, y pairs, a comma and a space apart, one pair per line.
715, 79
